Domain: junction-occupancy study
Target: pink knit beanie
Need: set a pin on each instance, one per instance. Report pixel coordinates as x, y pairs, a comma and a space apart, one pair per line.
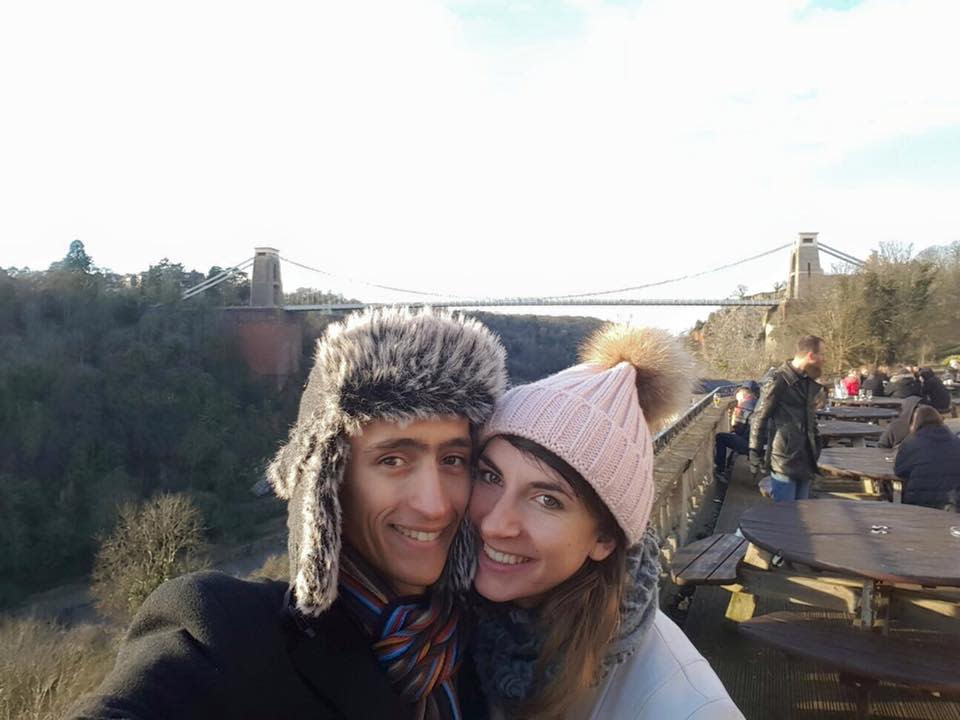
600, 416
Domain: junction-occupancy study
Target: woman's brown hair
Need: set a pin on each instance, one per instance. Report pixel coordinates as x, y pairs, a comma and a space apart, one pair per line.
924, 416
583, 611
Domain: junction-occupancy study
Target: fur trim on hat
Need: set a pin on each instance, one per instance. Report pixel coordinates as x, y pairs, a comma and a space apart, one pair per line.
664, 369
389, 364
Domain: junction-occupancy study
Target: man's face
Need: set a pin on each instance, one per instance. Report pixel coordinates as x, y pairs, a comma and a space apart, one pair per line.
815, 361
405, 491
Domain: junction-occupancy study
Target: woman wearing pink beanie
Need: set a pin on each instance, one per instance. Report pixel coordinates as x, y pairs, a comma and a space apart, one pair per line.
570, 627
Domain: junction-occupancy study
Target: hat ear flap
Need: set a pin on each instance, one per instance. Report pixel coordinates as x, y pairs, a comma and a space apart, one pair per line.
314, 523
458, 573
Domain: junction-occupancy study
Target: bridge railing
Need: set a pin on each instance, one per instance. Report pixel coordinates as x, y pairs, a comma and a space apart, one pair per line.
663, 438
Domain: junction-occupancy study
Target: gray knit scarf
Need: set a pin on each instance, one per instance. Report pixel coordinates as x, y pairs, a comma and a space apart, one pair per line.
508, 638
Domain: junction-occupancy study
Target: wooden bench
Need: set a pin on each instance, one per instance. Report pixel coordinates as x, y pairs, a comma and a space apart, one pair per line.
711, 561
863, 658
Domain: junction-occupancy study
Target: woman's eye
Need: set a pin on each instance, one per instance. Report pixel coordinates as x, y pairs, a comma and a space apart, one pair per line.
491, 478
549, 502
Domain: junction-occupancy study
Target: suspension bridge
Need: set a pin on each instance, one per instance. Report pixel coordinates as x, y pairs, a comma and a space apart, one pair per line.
270, 329
267, 287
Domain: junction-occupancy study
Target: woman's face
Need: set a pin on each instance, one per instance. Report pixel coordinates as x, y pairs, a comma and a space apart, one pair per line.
535, 531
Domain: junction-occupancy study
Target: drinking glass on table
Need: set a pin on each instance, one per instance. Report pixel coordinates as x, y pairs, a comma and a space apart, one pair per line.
869, 394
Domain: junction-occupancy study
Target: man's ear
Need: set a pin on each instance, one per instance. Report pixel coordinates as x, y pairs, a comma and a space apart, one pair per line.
602, 548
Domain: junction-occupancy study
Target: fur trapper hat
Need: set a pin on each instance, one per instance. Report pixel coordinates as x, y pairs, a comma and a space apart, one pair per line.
390, 364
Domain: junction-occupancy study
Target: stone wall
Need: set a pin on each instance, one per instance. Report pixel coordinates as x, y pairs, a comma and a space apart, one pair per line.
683, 472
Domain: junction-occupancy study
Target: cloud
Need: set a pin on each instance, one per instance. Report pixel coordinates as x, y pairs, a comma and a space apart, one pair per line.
473, 148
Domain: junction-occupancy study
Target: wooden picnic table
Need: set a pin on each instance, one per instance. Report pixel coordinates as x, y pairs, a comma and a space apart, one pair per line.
876, 543
873, 466
856, 432
867, 414
880, 402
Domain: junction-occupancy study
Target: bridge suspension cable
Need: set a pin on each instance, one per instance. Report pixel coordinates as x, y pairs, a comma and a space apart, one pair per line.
671, 280
840, 255
369, 284
215, 280
537, 302
533, 301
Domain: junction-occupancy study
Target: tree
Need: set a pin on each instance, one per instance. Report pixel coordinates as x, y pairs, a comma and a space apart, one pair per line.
731, 342
76, 260
152, 543
896, 309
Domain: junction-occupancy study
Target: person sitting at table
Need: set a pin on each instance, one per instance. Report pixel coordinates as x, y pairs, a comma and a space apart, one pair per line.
899, 428
904, 385
953, 370
929, 462
874, 382
852, 383
935, 393
738, 439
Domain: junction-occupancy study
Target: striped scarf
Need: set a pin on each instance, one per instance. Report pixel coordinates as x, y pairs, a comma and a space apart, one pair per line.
416, 640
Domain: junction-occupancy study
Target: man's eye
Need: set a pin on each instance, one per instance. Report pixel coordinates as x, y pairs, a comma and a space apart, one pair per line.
549, 502
391, 461
488, 477
454, 460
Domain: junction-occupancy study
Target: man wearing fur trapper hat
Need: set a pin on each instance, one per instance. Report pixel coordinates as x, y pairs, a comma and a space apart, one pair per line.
376, 474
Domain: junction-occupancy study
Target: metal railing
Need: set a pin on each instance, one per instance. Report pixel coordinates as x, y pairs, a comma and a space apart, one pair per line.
664, 437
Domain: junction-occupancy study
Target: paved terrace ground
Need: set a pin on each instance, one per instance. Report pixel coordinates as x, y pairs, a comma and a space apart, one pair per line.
764, 682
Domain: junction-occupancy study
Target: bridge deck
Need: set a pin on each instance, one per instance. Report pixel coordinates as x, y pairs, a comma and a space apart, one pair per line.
766, 683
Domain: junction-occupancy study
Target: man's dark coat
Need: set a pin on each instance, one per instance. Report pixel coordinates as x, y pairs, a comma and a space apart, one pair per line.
208, 645
785, 422
935, 393
904, 386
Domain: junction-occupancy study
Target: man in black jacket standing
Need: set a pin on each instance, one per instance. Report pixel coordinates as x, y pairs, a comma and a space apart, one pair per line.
784, 437
376, 473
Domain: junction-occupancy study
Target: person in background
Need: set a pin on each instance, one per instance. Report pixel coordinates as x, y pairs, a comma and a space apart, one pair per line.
738, 439
929, 463
852, 383
898, 428
784, 436
904, 384
953, 370
874, 382
935, 393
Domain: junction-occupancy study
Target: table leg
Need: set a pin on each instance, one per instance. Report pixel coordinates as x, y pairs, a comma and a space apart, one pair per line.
862, 688
874, 609
868, 608
897, 491
741, 607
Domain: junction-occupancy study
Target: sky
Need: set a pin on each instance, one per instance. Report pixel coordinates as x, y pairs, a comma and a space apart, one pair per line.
479, 148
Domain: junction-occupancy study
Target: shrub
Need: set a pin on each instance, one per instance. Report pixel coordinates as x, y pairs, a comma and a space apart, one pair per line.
153, 542
45, 668
275, 567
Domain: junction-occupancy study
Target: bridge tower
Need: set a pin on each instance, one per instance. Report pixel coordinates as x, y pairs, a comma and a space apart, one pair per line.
266, 287
805, 269
270, 338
